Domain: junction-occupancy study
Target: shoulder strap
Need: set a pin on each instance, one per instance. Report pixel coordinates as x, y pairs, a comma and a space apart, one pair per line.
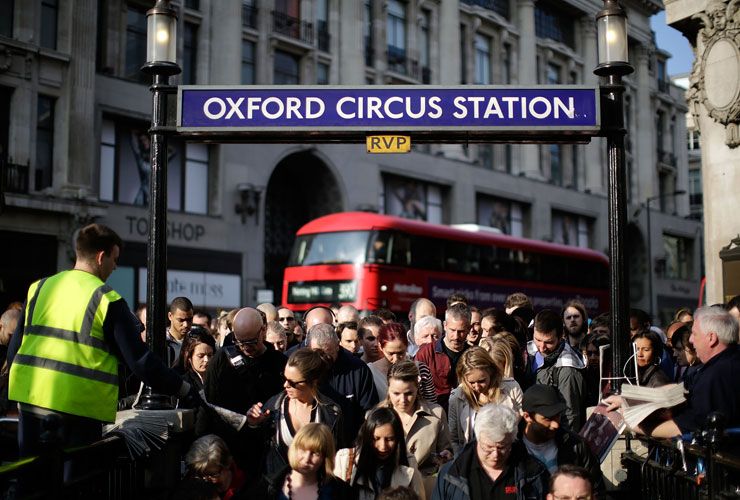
350, 466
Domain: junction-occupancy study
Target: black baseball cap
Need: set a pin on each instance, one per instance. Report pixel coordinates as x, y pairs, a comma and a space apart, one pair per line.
543, 399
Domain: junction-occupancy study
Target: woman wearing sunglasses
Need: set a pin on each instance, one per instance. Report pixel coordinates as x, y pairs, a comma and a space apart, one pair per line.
283, 415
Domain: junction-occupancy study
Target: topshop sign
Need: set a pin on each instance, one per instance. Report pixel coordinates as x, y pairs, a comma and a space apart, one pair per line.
560, 110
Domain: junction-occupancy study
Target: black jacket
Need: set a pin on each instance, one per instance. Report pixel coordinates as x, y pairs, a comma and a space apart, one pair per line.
530, 475
269, 487
573, 450
276, 457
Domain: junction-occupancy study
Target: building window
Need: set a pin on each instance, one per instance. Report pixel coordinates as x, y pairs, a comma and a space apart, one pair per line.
249, 14
135, 43
287, 68
396, 36
552, 74
571, 229
248, 63
506, 64
322, 25
412, 199
696, 198
678, 258
322, 74
463, 54
49, 19
505, 215
367, 31
508, 158
556, 164
6, 18
694, 140
189, 54
192, 4
125, 168
424, 47
482, 60
44, 142
662, 80
554, 24
659, 126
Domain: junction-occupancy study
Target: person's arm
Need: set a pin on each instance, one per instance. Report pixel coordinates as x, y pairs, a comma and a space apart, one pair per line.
143, 362
367, 395
666, 429
570, 385
16, 339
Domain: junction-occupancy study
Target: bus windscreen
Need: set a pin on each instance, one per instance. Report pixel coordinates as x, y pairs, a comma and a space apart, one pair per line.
346, 247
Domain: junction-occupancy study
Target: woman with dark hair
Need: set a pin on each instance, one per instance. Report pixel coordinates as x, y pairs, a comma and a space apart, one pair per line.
591, 349
379, 459
284, 414
648, 352
309, 473
197, 349
393, 344
688, 363
424, 424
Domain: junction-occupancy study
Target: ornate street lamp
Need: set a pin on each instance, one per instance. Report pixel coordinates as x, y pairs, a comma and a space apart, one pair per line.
161, 45
611, 26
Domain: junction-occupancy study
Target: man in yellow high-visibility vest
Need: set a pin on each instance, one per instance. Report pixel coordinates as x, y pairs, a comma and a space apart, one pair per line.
64, 355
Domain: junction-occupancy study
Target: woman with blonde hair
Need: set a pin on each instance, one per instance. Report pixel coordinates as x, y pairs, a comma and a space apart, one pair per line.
424, 423
501, 348
480, 383
309, 473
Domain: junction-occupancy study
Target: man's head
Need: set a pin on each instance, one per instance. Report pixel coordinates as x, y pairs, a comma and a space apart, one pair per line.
548, 328
457, 326
639, 321
203, 319
277, 336
733, 307
318, 315
427, 329
456, 298
98, 248
8, 322
269, 310
600, 325
249, 332
286, 318
323, 337
181, 317
495, 429
570, 482
495, 321
542, 406
349, 338
420, 308
475, 327
575, 318
368, 330
713, 330
515, 301
348, 313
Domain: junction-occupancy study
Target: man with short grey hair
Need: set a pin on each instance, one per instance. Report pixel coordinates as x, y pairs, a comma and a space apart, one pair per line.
349, 383
420, 308
714, 335
276, 336
427, 330
494, 465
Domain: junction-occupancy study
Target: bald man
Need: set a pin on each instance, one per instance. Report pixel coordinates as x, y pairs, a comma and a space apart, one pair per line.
270, 311
348, 313
240, 376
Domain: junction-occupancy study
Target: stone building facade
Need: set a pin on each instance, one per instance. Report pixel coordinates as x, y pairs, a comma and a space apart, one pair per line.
74, 111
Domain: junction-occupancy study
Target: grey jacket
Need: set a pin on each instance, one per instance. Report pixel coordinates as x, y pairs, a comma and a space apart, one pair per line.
562, 369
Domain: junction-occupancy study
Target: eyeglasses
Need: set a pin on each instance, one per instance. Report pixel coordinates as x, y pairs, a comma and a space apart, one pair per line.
246, 343
287, 318
295, 383
499, 448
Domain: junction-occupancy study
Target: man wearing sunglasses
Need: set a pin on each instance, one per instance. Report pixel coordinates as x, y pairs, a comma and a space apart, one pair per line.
240, 376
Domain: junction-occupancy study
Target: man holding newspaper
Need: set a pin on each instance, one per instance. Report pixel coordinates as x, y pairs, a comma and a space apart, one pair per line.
715, 337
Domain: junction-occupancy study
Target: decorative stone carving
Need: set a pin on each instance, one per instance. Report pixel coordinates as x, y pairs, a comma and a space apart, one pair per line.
714, 78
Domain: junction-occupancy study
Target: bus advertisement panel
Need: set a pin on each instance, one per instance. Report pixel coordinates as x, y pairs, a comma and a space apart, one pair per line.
376, 261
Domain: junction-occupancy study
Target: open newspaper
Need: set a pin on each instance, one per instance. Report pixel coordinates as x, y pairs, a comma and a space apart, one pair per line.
640, 402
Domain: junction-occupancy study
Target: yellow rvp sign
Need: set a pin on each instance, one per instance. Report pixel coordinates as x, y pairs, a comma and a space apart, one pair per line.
388, 143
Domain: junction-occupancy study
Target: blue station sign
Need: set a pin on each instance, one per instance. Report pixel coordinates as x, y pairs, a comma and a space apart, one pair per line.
561, 110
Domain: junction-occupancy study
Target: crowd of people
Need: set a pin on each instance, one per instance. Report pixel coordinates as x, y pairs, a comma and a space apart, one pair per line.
338, 404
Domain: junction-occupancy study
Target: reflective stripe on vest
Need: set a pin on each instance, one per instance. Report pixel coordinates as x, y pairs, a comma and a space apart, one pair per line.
64, 363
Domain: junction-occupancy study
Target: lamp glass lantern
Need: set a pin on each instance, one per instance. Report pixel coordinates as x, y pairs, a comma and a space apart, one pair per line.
161, 39
611, 32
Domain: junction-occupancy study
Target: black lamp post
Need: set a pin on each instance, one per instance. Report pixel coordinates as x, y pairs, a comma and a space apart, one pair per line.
611, 26
161, 49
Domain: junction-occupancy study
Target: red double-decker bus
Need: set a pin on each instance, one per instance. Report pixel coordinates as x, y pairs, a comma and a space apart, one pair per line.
377, 261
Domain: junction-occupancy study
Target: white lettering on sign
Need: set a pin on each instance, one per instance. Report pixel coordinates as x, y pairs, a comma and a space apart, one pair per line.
203, 289
538, 107
412, 289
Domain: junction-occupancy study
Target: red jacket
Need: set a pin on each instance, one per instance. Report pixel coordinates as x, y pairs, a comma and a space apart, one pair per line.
443, 375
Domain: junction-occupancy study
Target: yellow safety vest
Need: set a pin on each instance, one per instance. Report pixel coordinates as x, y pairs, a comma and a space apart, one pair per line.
64, 362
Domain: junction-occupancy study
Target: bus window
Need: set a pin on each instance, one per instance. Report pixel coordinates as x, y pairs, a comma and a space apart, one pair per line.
377, 253
347, 247
400, 250
427, 253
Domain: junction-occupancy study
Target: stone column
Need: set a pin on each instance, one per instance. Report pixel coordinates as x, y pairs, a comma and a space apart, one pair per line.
529, 155
449, 60
644, 143
77, 135
225, 43
351, 59
592, 165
